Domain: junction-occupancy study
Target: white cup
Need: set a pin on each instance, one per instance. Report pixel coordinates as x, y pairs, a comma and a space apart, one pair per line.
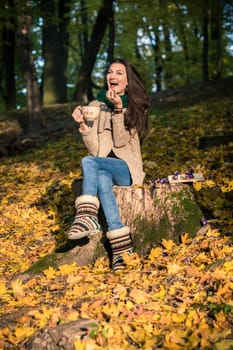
90, 112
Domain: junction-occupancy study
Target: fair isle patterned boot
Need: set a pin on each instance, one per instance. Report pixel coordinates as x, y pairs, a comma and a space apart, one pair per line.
120, 241
86, 219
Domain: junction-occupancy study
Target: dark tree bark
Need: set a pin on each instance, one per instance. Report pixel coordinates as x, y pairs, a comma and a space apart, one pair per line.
205, 46
183, 41
158, 62
8, 62
29, 72
55, 50
91, 50
167, 43
216, 36
111, 40
155, 44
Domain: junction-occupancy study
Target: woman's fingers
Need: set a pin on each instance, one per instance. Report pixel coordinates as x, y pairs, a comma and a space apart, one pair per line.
77, 114
112, 96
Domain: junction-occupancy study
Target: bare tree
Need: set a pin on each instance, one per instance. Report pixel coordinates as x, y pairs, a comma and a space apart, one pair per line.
183, 40
167, 43
55, 50
7, 70
205, 46
82, 88
28, 69
216, 36
111, 40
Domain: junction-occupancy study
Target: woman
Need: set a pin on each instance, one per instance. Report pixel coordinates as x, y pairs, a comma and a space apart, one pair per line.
113, 140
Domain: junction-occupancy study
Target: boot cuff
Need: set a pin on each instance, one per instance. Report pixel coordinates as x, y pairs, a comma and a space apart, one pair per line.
119, 232
86, 198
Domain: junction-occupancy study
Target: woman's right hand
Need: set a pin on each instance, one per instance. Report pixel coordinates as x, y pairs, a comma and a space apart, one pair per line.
77, 115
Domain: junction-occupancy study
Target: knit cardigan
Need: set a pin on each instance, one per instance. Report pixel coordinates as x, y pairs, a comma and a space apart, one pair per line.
108, 133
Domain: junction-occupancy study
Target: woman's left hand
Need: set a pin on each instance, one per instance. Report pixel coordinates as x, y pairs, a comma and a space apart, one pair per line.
113, 97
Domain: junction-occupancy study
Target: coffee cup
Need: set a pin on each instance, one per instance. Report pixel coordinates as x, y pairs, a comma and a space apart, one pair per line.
90, 112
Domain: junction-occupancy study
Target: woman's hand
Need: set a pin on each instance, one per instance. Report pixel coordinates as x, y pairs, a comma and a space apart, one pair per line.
77, 115
113, 97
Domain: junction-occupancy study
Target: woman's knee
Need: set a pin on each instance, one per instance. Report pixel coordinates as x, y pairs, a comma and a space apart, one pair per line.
85, 161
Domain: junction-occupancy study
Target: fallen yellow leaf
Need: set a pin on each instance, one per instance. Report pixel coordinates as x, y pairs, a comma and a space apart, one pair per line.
139, 296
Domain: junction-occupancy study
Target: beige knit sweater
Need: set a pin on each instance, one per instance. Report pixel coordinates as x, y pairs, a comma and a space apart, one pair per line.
108, 133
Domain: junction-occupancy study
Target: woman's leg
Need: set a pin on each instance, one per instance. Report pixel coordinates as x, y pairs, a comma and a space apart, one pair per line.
106, 173
91, 166
108, 200
87, 205
99, 176
86, 218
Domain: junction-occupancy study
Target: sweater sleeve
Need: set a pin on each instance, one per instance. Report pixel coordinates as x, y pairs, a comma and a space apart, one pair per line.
90, 138
121, 136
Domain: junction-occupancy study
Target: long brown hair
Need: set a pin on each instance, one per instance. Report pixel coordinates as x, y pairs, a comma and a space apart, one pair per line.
138, 101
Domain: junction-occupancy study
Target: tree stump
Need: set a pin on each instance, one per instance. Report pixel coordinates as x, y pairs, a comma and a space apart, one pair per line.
154, 212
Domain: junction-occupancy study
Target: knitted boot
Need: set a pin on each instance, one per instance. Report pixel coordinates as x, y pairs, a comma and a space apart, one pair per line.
120, 241
86, 219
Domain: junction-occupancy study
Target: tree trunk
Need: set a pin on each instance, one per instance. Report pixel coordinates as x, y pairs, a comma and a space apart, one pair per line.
155, 43
205, 46
111, 41
158, 62
88, 61
8, 63
29, 72
184, 42
55, 51
216, 23
167, 43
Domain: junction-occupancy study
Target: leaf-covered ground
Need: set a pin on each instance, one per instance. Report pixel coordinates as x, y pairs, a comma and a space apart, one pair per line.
178, 297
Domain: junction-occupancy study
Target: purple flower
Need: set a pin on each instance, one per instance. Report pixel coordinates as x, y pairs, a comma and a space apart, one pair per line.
175, 175
228, 233
164, 181
189, 174
204, 221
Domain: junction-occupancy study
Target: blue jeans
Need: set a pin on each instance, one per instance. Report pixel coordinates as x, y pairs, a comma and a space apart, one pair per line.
100, 174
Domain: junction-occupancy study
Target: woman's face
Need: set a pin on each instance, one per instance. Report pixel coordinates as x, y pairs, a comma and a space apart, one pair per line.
117, 78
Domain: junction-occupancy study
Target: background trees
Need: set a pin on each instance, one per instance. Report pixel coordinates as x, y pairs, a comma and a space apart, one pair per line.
172, 43
55, 42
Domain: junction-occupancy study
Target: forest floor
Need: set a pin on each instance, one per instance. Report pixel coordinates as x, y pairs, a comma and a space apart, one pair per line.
177, 297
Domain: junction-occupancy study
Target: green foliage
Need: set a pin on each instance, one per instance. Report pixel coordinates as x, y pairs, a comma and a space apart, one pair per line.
175, 143
149, 34
216, 308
